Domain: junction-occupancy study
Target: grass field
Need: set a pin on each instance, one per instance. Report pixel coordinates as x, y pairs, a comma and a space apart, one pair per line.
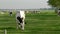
43, 23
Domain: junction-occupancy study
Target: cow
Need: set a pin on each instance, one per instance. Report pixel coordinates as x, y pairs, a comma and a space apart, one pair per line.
20, 19
10, 13
59, 12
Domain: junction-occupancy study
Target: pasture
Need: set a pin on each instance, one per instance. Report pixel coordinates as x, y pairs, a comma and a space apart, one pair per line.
37, 23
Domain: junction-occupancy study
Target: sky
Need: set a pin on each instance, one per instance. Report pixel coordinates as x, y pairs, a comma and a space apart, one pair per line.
23, 4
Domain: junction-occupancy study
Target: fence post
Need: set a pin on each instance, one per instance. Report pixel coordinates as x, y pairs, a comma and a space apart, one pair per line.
5, 31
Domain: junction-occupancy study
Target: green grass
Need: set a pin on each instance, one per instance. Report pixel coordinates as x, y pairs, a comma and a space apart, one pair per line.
36, 24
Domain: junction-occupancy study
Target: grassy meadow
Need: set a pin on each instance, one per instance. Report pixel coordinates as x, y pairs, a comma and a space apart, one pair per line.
45, 22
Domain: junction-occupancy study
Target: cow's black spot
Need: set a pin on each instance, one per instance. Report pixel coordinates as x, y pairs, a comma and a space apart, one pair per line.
20, 19
10, 12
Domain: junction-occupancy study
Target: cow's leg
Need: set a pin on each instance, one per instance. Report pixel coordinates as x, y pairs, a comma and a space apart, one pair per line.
18, 24
22, 24
10, 14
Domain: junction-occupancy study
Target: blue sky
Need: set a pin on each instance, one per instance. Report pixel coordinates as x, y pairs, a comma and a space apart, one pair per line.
23, 4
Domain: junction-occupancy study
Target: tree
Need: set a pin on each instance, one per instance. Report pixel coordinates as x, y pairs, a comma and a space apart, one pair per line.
55, 4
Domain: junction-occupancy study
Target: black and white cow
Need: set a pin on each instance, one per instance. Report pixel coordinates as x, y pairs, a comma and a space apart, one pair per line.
10, 13
20, 17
